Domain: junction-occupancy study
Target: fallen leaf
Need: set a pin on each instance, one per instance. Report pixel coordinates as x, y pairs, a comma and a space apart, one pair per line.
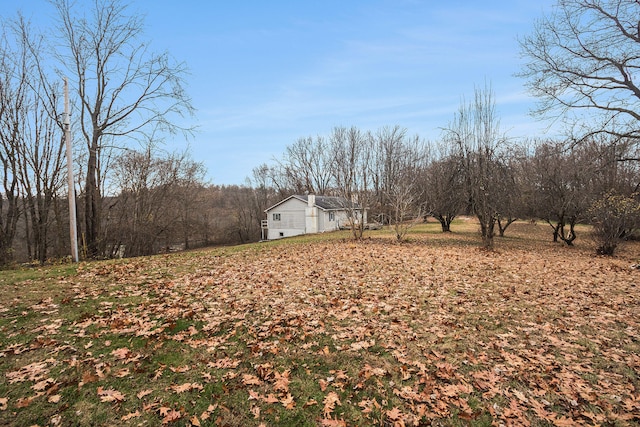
143, 393
394, 414
171, 416
42, 385
54, 398
121, 353
181, 388
330, 401
328, 422
288, 401
271, 398
23, 402
130, 415
249, 379
122, 373
310, 402
282, 382
110, 395
256, 412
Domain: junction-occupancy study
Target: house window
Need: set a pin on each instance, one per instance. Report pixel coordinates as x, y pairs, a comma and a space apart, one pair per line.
332, 216
276, 217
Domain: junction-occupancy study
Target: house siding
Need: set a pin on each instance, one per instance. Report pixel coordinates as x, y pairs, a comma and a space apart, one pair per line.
292, 220
342, 218
296, 217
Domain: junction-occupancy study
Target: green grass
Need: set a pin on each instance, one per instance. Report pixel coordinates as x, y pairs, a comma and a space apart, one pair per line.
372, 321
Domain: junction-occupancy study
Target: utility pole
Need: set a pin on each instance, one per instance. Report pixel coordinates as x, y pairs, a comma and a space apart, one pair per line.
73, 233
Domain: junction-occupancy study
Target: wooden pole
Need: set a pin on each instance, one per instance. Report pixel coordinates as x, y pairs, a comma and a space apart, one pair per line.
73, 233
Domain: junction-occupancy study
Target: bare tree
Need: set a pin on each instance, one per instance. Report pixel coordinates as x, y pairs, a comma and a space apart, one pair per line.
404, 198
307, 166
475, 132
265, 192
560, 182
189, 180
444, 186
158, 203
386, 165
399, 162
9, 208
38, 140
509, 189
352, 173
583, 58
613, 217
272, 179
14, 90
123, 89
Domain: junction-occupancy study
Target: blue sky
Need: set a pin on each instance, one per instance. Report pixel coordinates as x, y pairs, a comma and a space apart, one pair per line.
265, 73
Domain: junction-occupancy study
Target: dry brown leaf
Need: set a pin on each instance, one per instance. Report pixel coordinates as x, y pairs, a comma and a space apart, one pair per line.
330, 401
256, 412
281, 382
288, 402
110, 395
55, 398
122, 373
248, 379
394, 414
271, 399
328, 422
310, 402
171, 416
24, 402
42, 385
131, 415
181, 388
143, 393
121, 353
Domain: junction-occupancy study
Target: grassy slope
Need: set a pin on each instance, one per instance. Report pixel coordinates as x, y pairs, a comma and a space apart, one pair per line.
324, 330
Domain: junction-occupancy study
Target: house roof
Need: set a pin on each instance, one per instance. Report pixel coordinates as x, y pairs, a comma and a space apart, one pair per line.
327, 203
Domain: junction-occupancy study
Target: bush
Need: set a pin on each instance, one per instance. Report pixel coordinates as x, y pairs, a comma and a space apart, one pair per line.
614, 217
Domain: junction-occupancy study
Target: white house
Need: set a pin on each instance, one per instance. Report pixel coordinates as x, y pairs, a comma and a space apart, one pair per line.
298, 214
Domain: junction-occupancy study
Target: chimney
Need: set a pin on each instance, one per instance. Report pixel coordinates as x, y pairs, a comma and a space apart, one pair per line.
311, 199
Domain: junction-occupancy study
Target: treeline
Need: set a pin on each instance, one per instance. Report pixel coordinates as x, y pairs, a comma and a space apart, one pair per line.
125, 99
149, 219
134, 198
474, 169
158, 201
405, 180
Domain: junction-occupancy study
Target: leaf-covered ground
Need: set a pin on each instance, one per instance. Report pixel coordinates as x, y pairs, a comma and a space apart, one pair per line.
327, 331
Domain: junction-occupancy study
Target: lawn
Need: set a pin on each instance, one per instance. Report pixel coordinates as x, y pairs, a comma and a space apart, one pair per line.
327, 331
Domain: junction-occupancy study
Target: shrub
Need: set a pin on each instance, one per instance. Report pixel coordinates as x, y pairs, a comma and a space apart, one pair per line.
614, 217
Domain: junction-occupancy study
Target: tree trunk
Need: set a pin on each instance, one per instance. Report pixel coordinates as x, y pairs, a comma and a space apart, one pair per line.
92, 203
445, 223
568, 238
502, 228
8, 224
556, 229
487, 226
